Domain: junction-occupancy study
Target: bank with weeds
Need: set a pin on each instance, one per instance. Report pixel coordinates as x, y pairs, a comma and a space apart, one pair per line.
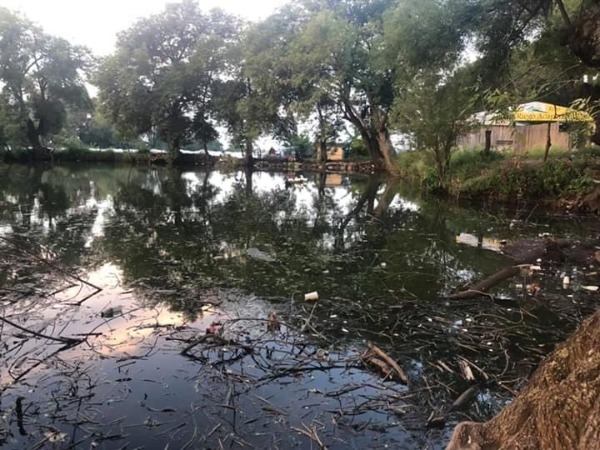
507, 176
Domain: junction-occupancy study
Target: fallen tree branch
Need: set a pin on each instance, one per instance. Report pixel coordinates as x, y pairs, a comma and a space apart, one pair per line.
548, 249
485, 285
374, 356
64, 340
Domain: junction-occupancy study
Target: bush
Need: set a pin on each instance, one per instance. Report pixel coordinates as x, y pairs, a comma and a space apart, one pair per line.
531, 179
74, 144
473, 162
474, 174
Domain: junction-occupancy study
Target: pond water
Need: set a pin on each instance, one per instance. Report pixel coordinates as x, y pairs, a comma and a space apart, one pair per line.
138, 309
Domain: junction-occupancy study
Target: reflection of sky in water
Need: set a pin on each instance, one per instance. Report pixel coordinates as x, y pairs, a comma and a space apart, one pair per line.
304, 195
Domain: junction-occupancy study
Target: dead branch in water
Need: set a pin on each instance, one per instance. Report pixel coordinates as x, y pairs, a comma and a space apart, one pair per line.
64, 340
45, 261
485, 285
374, 356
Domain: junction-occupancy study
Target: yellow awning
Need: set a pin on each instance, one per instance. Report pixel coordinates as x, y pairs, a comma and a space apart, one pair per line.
547, 112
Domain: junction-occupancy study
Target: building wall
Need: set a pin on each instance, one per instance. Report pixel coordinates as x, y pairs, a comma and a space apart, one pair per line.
335, 154
519, 138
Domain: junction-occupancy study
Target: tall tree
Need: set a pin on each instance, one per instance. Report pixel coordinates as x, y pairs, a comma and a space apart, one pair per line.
323, 60
41, 77
266, 95
434, 92
495, 30
162, 77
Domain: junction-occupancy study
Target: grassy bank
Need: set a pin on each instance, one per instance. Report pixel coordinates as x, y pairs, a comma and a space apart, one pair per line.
506, 176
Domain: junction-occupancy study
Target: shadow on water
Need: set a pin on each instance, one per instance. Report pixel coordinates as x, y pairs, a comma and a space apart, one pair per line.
110, 279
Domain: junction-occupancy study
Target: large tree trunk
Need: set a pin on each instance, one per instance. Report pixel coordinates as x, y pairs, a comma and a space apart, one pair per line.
386, 150
248, 157
173, 147
488, 142
40, 153
559, 408
372, 126
322, 138
385, 147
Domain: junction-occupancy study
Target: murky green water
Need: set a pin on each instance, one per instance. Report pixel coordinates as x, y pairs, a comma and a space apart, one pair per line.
140, 262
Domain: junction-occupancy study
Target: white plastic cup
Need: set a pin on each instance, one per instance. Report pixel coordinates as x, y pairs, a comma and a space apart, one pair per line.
311, 296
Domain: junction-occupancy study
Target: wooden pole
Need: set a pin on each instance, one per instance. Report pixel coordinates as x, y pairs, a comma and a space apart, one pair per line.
548, 142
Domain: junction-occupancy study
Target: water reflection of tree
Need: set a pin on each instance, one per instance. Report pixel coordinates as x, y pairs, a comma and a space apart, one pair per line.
378, 263
169, 233
38, 203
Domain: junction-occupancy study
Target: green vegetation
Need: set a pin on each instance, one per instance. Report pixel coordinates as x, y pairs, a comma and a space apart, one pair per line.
506, 177
42, 79
313, 74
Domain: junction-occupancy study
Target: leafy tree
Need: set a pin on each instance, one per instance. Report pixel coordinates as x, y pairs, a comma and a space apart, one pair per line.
436, 112
324, 62
300, 146
434, 92
98, 132
546, 41
41, 76
12, 134
162, 78
264, 94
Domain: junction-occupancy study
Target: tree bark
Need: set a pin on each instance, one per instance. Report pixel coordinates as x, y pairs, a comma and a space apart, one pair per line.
40, 153
248, 157
558, 409
488, 142
372, 126
322, 138
322, 151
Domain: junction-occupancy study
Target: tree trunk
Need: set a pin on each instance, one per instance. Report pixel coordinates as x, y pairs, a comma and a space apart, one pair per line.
372, 127
488, 142
40, 153
387, 151
442, 164
558, 409
322, 151
385, 147
322, 138
248, 157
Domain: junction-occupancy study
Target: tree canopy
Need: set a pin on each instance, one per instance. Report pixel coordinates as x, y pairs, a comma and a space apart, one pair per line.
163, 75
338, 68
41, 77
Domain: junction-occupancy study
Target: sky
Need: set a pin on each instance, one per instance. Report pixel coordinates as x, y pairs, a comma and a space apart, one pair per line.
95, 23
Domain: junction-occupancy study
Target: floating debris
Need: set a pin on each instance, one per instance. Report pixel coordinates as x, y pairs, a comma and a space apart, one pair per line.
259, 255
311, 296
111, 312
